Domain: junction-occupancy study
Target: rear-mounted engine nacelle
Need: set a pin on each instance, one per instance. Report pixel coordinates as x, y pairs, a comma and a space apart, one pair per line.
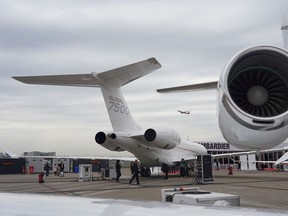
100, 137
162, 138
106, 140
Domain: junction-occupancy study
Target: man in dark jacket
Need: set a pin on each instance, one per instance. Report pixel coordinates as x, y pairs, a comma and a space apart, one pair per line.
47, 169
118, 170
165, 169
135, 170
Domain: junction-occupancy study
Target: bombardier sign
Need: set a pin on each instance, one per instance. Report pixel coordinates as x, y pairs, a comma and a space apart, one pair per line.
219, 146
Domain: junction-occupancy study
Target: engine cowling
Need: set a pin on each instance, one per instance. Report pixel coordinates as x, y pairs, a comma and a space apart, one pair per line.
253, 98
106, 140
162, 138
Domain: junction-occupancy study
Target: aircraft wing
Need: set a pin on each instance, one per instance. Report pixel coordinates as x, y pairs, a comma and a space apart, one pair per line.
31, 204
233, 154
83, 157
268, 162
193, 87
279, 161
282, 159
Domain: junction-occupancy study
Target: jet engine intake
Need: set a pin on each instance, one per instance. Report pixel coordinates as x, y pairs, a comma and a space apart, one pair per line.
253, 98
162, 138
258, 82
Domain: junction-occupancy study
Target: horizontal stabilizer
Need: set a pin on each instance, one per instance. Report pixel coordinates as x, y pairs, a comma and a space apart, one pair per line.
115, 77
194, 87
84, 80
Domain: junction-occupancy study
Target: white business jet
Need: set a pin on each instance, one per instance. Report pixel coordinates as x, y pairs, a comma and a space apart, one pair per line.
152, 146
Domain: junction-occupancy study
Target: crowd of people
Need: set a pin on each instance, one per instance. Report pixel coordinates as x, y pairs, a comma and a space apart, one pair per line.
58, 170
184, 168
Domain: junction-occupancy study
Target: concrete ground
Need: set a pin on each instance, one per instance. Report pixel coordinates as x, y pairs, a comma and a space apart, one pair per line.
256, 188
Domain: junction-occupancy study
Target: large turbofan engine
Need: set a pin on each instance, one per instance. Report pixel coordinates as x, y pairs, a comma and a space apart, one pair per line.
162, 138
253, 103
106, 140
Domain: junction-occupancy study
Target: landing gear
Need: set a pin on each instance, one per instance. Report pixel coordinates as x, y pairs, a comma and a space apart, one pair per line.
145, 172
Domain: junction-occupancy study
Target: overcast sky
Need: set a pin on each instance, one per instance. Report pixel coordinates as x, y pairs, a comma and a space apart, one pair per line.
193, 40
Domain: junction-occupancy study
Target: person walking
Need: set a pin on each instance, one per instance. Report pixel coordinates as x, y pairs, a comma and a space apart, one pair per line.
230, 170
131, 167
135, 170
62, 167
56, 169
47, 169
118, 170
165, 169
182, 167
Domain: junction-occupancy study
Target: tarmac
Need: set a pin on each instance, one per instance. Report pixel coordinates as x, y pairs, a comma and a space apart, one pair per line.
257, 189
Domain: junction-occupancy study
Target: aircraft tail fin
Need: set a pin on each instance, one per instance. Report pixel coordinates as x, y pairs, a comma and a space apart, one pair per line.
110, 83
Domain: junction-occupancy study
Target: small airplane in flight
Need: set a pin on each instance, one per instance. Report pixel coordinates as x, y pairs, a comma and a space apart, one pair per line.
152, 146
184, 112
